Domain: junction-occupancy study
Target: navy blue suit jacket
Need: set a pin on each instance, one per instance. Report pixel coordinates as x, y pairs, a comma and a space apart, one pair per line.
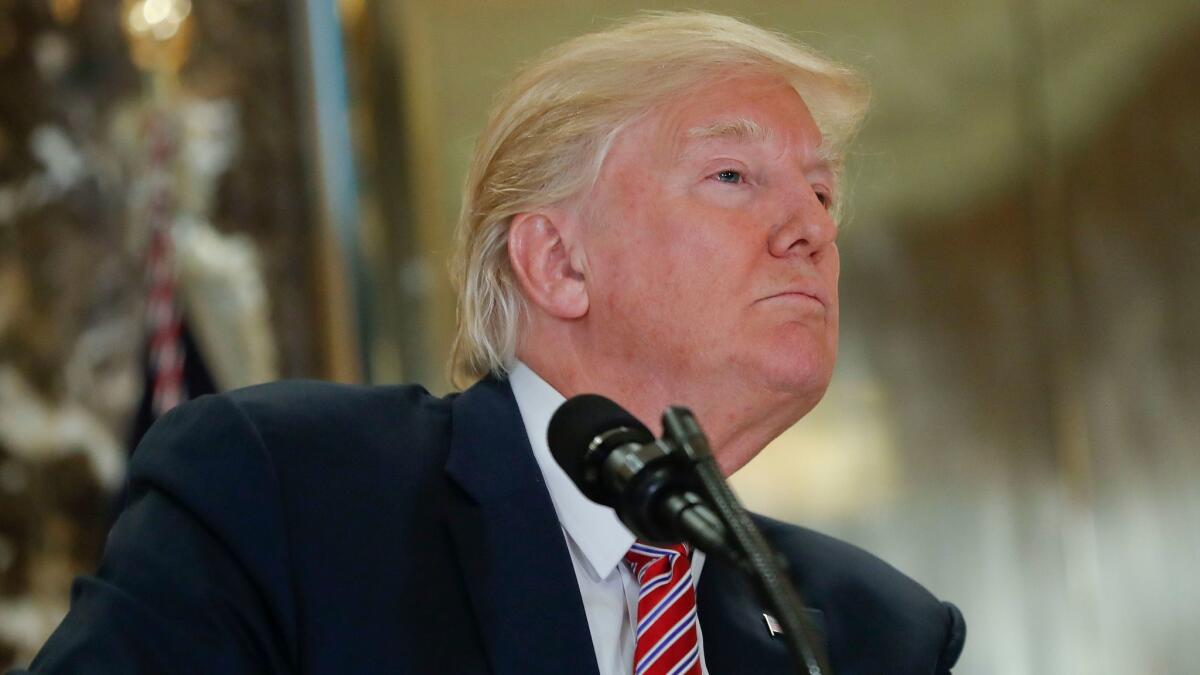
305, 527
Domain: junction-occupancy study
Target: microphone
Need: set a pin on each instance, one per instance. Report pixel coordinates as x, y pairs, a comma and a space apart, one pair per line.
616, 462
655, 486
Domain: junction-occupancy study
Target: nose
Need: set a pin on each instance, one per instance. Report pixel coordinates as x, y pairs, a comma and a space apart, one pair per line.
806, 227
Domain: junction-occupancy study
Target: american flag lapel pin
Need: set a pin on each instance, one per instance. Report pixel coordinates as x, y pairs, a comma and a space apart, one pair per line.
773, 626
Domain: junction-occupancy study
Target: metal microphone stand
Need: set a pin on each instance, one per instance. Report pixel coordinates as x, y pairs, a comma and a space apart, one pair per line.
746, 548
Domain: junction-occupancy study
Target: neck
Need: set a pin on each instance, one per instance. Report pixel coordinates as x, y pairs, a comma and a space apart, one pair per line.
739, 418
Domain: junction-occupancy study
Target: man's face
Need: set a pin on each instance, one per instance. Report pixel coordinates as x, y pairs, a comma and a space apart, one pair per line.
710, 250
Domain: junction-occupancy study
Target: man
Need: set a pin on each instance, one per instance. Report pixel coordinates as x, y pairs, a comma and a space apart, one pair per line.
649, 217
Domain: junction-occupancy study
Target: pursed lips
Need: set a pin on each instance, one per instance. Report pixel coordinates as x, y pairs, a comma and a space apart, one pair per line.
807, 293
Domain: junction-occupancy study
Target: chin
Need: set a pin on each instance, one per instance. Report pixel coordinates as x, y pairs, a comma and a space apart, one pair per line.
805, 387
801, 375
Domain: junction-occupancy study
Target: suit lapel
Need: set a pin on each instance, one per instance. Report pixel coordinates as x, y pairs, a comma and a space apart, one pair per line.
514, 560
736, 637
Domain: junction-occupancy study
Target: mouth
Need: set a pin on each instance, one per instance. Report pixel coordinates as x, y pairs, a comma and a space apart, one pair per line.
799, 295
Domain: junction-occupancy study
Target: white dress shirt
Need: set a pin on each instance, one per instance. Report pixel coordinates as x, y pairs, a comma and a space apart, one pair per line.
595, 537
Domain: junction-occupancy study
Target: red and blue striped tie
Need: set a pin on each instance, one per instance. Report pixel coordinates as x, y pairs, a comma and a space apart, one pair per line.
667, 641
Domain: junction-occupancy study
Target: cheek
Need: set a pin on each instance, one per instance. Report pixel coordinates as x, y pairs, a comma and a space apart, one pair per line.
666, 301
832, 272
668, 259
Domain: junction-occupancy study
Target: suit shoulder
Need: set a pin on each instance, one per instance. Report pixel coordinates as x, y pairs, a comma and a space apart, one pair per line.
342, 422
330, 400
830, 561
315, 425
304, 417
856, 588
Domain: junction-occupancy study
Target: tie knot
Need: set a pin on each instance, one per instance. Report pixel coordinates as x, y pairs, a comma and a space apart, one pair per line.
642, 555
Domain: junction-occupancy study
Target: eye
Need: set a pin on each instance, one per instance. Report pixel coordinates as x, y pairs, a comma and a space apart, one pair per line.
729, 176
825, 198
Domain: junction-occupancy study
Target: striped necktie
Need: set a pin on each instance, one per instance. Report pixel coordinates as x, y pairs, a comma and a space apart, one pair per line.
667, 641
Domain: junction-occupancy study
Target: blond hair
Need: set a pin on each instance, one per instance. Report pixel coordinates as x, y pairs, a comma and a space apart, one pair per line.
550, 129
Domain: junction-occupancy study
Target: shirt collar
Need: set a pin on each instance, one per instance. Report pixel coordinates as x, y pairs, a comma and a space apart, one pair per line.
595, 529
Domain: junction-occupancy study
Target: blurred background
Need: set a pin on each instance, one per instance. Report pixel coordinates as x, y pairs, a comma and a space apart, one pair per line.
241, 190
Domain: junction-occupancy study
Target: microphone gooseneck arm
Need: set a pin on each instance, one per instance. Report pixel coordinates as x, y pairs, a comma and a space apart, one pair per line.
754, 554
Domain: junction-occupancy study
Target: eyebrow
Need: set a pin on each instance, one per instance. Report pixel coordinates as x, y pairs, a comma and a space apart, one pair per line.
741, 129
744, 129
829, 159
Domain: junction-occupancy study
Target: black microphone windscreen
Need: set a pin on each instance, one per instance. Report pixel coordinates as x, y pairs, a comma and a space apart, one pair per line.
580, 420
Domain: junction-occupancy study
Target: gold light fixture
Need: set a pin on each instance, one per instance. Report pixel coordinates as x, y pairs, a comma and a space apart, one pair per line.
160, 33
64, 11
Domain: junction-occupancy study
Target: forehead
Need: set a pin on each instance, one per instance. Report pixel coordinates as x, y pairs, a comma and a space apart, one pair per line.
761, 110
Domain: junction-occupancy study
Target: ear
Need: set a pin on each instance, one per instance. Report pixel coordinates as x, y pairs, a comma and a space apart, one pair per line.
541, 256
